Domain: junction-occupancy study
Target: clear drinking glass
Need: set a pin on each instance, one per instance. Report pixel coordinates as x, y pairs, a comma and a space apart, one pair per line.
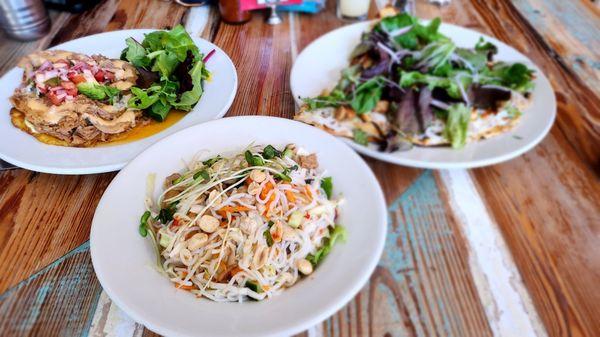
353, 10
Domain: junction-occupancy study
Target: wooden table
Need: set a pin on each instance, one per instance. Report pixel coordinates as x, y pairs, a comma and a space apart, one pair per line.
508, 250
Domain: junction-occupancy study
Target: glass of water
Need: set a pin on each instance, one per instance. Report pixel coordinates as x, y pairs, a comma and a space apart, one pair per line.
353, 10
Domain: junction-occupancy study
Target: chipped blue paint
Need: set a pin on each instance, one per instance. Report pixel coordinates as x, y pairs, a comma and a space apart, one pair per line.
418, 210
84, 247
393, 316
34, 310
579, 60
415, 204
572, 14
34, 299
86, 330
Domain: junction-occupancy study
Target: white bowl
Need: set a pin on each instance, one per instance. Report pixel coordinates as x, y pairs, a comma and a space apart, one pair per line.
124, 261
318, 67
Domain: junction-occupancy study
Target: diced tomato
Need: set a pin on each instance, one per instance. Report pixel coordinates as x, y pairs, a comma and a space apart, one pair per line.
99, 76
53, 98
76, 78
109, 76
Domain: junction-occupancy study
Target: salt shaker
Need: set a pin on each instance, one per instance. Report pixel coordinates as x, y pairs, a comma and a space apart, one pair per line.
24, 19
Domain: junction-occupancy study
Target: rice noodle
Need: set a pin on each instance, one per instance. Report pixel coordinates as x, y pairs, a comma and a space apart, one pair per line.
249, 212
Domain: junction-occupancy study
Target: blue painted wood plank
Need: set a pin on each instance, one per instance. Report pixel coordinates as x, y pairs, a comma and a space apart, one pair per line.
59, 300
422, 285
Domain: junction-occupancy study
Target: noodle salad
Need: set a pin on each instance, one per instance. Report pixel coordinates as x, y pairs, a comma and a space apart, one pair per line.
245, 226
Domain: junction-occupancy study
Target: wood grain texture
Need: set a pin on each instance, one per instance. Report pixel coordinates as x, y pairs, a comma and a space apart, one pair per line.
571, 29
59, 300
422, 285
262, 56
548, 199
12, 50
36, 226
546, 202
44, 216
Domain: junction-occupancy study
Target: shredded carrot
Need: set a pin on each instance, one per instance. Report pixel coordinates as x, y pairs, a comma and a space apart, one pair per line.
231, 209
307, 192
268, 187
248, 181
184, 287
290, 196
268, 204
235, 270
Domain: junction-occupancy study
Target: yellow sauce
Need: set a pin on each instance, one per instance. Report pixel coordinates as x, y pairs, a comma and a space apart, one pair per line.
143, 131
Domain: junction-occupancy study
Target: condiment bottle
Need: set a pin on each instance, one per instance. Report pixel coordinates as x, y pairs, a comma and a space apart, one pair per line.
24, 19
231, 12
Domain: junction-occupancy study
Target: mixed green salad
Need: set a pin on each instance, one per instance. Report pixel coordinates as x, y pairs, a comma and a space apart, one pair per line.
171, 71
429, 89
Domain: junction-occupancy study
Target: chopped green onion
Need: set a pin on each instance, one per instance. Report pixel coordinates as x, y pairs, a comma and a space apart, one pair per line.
254, 286
143, 229
204, 174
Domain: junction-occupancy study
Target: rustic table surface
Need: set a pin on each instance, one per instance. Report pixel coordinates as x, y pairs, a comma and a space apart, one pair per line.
508, 250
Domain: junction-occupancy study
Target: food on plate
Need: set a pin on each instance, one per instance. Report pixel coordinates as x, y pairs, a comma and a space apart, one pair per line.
245, 226
408, 84
72, 99
171, 72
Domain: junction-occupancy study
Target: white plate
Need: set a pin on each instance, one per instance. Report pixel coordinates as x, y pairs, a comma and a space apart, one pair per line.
21, 149
124, 261
318, 67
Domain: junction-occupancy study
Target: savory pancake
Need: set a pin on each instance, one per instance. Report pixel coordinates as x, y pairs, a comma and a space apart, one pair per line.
76, 99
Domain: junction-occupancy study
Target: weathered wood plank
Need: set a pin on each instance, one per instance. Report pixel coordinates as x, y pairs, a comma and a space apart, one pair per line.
422, 286
571, 29
547, 199
262, 56
59, 300
548, 210
508, 305
12, 50
36, 226
44, 216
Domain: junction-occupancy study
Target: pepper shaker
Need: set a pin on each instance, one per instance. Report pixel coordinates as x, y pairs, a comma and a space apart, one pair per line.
24, 19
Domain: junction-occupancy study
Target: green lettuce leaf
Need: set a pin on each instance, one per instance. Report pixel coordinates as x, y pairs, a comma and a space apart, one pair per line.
366, 95
457, 125
135, 53
337, 234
